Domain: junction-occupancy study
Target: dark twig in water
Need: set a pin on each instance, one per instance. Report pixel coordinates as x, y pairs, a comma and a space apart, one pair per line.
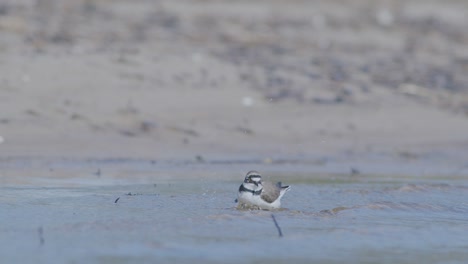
277, 226
40, 231
116, 200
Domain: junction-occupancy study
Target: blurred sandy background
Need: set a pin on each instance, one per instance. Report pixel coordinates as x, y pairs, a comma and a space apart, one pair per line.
204, 79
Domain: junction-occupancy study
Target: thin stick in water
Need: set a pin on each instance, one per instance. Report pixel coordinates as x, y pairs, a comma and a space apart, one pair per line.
277, 226
40, 231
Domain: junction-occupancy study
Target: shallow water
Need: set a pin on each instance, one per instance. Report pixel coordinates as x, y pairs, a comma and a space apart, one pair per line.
328, 220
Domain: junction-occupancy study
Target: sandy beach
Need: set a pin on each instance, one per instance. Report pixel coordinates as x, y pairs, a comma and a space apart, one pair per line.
99, 94
176, 79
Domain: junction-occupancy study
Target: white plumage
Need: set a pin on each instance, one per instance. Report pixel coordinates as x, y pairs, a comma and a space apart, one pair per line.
256, 194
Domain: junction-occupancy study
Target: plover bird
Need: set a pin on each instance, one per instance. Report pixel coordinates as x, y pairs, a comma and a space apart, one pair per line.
256, 194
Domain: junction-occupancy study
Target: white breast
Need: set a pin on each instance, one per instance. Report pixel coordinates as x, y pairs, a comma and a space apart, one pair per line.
247, 199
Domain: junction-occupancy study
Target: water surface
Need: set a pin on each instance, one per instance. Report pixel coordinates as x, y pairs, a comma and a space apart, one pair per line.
340, 219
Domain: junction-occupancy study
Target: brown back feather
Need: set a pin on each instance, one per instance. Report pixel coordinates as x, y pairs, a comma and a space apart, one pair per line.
270, 191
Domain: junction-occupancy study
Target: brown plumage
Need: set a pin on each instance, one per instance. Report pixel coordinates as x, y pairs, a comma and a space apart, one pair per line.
270, 191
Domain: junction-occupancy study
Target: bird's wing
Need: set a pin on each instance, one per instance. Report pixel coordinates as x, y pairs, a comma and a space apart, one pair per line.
270, 192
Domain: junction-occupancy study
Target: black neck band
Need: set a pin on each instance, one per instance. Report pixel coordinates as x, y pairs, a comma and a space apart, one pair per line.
243, 189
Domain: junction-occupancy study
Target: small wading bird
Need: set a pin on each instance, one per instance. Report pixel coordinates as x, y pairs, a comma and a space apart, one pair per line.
256, 194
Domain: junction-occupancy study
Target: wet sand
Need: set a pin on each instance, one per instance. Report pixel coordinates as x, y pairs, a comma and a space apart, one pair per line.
360, 106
